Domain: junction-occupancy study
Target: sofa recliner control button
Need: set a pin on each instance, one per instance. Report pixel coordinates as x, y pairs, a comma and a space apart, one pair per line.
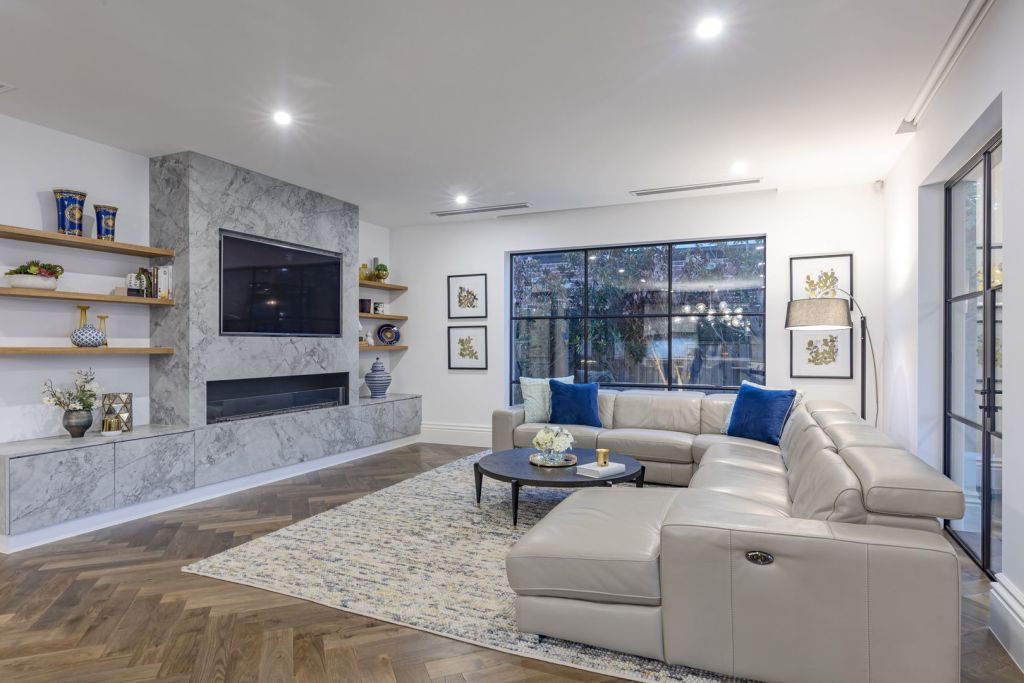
760, 557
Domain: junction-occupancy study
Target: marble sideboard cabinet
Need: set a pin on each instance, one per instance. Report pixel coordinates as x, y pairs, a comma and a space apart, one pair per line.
59, 479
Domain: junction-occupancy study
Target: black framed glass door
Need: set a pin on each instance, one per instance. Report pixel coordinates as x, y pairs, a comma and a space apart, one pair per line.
973, 383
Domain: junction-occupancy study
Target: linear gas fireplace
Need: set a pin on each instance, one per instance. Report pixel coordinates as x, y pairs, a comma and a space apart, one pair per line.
237, 399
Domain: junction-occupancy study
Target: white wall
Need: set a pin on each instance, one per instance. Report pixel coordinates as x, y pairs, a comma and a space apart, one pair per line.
796, 223
375, 240
35, 160
982, 94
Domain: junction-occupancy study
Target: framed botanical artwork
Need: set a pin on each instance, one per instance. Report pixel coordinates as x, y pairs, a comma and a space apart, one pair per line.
821, 353
467, 296
467, 347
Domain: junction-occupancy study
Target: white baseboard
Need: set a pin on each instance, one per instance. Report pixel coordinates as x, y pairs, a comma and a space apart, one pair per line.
31, 539
456, 434
1006, 617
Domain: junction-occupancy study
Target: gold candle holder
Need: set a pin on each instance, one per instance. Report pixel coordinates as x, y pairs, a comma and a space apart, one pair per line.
602, 457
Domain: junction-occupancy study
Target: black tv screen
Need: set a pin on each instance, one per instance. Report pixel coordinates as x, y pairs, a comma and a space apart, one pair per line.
273, 289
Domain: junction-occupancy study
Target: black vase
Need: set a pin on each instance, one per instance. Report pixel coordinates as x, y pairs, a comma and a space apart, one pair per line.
77, 422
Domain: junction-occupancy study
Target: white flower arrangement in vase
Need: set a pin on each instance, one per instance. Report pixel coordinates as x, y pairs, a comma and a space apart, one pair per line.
553, 442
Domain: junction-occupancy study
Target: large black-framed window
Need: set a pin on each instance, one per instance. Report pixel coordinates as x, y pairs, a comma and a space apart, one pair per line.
672, 315
973, 376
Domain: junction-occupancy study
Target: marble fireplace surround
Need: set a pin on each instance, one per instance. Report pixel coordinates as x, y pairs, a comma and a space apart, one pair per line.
192, 198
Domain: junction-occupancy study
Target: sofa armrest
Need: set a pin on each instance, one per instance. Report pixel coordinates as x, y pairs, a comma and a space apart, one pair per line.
825, 601
503, 423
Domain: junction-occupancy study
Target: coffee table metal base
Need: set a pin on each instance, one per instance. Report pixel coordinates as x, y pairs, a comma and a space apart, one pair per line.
636, 476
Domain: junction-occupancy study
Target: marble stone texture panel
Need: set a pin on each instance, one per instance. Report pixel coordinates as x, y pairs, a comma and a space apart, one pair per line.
148, 469
220, 196
408, 416
168, 325
56, 487
236, 449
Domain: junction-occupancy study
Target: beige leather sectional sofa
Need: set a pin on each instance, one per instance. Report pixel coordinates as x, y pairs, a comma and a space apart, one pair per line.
819, 560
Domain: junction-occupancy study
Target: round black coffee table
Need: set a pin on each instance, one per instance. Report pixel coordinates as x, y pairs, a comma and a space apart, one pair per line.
514, 467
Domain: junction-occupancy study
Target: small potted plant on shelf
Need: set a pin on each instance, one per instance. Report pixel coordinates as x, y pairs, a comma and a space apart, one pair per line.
77, 401
380, 273
35, 275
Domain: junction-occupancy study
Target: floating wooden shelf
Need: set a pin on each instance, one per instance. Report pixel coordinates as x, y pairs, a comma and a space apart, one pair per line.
384, 347
82, 296
374, 284
382, 316
80, 351
90, 243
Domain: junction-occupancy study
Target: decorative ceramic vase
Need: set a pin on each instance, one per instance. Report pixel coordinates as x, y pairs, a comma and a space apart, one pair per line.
77, 422
105, 217
87, 335
378, 380
70, 211
32, 281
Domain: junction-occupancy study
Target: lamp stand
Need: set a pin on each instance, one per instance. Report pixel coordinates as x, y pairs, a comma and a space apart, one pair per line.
863, 367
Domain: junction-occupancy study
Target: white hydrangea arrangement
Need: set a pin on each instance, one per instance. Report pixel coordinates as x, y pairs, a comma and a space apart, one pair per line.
553, 440
81, 396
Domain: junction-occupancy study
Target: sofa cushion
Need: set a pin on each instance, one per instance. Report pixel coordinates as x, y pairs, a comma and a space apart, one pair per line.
676, 411
715, 501
768, 488
798, 421
648, 444
606, 407
898, 483
602, 545
760, 413
826, 406
714, 412
703, 442
583, 436
804, 447
536, 393
829, 491
850, 435
740, 455
574, 404
836, 417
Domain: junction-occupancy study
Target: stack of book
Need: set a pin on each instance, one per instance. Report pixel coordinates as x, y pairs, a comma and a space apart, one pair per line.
592, 469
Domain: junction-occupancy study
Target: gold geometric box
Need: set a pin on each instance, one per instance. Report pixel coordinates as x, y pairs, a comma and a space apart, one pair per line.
121, 406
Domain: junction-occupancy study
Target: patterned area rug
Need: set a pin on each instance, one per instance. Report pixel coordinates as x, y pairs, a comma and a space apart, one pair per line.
422, 554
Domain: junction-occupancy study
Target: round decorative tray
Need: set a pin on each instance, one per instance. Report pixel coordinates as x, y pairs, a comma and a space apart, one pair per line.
538, 459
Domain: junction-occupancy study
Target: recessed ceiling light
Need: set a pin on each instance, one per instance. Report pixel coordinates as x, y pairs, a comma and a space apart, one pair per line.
461, 199
282, 118
709, 27
740, 167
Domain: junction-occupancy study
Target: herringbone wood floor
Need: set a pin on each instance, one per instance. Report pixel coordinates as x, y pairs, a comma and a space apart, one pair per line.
113, 606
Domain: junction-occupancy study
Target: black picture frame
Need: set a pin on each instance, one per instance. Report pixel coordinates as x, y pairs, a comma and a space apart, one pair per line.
792, 292
452, 328
452, 314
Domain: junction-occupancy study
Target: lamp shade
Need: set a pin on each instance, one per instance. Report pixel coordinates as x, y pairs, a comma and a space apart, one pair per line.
818, 314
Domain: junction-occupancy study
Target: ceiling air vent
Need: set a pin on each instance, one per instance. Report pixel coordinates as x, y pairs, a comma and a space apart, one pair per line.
696, 186
5, 88
481, 209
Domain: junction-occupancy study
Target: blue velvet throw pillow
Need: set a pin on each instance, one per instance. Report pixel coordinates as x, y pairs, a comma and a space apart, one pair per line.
574, 404
760, 413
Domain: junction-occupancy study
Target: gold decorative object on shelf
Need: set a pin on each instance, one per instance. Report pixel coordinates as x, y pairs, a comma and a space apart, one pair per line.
103, 328
119, 406
111, 426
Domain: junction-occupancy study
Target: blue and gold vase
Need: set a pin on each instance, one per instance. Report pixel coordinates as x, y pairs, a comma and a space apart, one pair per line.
105, 217
70, 211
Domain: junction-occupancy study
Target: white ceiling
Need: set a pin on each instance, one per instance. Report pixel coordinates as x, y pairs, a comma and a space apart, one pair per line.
400, 105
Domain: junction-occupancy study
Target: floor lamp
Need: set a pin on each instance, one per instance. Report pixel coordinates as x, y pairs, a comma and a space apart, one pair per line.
834, 314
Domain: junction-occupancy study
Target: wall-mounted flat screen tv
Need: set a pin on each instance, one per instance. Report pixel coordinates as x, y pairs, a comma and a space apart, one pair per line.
270, 288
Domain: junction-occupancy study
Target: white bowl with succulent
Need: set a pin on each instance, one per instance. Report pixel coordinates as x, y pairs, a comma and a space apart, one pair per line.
552, 443
77, 401
35, 275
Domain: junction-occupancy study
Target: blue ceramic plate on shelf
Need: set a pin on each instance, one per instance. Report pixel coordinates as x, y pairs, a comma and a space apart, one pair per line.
388, 334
